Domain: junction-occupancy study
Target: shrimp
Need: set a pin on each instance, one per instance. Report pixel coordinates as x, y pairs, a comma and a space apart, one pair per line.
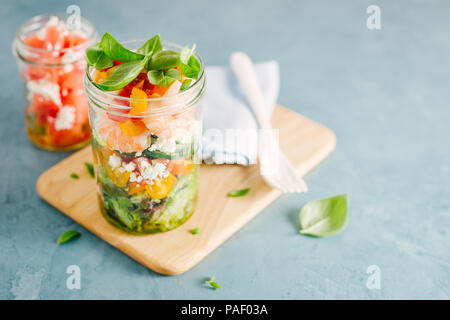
110, 134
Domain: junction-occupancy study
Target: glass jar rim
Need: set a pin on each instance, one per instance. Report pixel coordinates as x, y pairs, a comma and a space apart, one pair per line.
19, 39
198, 85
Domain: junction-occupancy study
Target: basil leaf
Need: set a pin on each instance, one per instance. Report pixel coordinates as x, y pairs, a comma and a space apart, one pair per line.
164, 59
116, 51
68, 235
74, 176
90, 169
212, 283
151, 46
163, 78
324, 217
186, 53
186, 84
155, 76
239, 193
195, 231
122, 75
97, 58
191, 69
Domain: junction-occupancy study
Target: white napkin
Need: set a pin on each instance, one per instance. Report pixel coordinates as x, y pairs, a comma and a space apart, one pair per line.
229, 126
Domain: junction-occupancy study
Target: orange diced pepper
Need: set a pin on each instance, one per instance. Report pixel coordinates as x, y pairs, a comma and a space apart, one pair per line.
181, 166
161, 188
132, 128
159, 90
134, 188
139, 107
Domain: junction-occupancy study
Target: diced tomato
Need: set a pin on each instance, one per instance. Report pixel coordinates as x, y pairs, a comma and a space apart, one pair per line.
43, 108
73, 39
55, 36
34, 41
79, 101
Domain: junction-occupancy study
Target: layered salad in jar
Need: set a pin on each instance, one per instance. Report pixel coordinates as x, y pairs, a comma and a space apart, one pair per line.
145, 117
51, 60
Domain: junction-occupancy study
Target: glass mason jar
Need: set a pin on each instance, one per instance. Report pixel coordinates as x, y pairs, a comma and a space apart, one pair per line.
147, 181
50, 53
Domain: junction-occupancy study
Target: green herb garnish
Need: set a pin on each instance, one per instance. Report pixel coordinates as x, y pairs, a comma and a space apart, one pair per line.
324, 217
212, 284
163, 78
239, 193
116, 51
150, 57
151, 46
97, 58
164, 59
195, 230
90, 169
190, 66
122, 75
186, 84
74, 176
67, 236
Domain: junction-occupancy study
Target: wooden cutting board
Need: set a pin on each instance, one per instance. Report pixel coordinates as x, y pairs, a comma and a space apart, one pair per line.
305, 142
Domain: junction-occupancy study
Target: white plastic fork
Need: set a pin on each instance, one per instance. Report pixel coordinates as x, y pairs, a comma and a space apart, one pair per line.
275, 168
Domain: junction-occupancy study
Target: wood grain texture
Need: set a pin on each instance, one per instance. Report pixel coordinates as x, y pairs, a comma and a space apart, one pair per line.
305, 143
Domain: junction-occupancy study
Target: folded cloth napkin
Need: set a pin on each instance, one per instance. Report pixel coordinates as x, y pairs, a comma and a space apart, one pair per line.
230, 130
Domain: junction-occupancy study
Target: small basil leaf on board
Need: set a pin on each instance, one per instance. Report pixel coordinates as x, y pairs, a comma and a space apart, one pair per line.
191, 69
195, 230
324, 217
90, 169
186, 84
164, 59
122, 75
239, 193
74, 176
97, 58
116, 51
151, 46
67, 236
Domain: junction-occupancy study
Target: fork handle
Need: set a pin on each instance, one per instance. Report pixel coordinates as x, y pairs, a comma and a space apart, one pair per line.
245, 72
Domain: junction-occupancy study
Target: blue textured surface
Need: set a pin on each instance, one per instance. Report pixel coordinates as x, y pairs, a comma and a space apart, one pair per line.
384, 93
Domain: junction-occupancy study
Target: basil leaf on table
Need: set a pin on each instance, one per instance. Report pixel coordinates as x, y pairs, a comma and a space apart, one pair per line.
211, 282
122, 75
164, 59
239, 193
324, 217
163, 78
67, 236
97, 58
116, 51
186, 84
90, 169
151, 46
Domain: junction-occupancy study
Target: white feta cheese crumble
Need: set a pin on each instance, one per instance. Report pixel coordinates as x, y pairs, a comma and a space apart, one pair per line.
166, 146
47, 89
154, 172
129, 166
114, 161
65, 118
